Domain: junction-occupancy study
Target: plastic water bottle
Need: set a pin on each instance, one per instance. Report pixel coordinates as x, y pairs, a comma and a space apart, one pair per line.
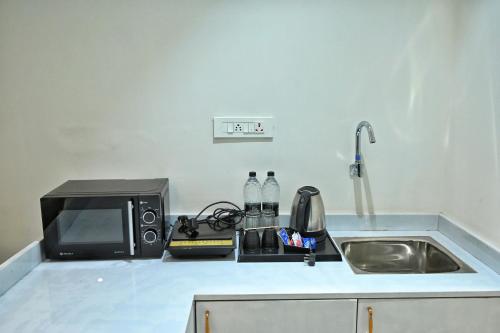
271, 194
252, 193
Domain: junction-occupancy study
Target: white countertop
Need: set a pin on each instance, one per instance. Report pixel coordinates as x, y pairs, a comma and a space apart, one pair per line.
149, 295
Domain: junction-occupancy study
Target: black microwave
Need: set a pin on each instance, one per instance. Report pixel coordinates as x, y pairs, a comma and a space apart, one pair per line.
106, 219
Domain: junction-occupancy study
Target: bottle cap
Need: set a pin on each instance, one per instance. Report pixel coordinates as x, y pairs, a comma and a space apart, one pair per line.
252, 173
270, 173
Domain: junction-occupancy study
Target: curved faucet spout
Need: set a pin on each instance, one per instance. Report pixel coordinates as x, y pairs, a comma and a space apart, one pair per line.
356, 167
371, 135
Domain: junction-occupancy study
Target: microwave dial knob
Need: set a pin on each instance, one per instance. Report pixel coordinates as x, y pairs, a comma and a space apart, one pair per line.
150, 236
149, 216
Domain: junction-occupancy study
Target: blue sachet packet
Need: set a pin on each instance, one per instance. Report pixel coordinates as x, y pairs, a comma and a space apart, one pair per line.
284, 236
310, 243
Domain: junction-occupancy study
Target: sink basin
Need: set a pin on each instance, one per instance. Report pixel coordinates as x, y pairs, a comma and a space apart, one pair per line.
415, 255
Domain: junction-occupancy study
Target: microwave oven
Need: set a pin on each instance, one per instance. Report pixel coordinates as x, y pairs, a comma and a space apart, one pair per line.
106, 219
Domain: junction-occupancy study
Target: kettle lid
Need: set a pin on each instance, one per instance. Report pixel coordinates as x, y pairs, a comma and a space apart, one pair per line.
311, 189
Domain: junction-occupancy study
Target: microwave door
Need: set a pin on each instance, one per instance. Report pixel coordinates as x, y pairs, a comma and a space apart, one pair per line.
130, 209
89, 227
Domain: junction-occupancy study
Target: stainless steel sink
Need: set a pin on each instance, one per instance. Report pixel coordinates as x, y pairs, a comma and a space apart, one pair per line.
415, 255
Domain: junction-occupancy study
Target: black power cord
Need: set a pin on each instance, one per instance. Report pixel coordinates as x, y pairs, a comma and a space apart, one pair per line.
220, 219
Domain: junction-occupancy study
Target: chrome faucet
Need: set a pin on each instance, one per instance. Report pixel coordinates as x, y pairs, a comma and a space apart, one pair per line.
356, 166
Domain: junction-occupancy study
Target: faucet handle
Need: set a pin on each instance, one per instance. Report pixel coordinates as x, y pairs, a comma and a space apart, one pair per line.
354, 168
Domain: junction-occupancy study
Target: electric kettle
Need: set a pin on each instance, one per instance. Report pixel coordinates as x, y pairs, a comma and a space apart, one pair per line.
308, 213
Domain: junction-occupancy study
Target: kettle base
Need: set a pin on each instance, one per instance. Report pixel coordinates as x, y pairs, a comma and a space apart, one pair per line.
319, 235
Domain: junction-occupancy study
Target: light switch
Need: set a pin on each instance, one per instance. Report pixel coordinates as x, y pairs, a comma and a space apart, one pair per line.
244, 127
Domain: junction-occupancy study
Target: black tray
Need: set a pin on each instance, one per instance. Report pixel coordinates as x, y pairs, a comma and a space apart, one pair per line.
325, 251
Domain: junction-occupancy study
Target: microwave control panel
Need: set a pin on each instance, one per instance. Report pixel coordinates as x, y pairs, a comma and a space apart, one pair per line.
151, 226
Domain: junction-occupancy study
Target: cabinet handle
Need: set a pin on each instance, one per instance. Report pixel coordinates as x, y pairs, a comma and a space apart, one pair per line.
207, 323
370, 319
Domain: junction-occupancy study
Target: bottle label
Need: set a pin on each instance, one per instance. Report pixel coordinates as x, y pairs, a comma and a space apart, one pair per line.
272, 206
252, 206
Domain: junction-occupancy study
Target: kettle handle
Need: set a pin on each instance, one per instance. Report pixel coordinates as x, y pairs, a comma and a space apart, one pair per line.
304, 201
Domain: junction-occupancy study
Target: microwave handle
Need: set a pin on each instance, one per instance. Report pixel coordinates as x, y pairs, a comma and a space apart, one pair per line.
131, 228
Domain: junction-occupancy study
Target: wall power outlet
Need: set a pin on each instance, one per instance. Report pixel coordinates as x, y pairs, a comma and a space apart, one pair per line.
244, 127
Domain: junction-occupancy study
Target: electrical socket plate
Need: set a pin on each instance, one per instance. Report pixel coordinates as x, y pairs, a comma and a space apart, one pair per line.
243, 127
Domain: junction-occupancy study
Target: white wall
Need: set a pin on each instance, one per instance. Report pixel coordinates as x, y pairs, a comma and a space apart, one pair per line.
472, 148
96, 89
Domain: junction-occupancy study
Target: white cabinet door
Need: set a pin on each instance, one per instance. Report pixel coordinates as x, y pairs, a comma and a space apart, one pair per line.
431, 315
306, 316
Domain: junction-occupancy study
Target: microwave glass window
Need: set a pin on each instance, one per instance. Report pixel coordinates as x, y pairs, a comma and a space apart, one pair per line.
90, 226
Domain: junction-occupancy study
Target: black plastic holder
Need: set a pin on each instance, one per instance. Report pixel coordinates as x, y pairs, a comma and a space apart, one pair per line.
325, 251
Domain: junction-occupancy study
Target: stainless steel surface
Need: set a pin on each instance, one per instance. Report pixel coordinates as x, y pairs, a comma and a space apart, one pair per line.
400, 255
313, 218
357, 165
